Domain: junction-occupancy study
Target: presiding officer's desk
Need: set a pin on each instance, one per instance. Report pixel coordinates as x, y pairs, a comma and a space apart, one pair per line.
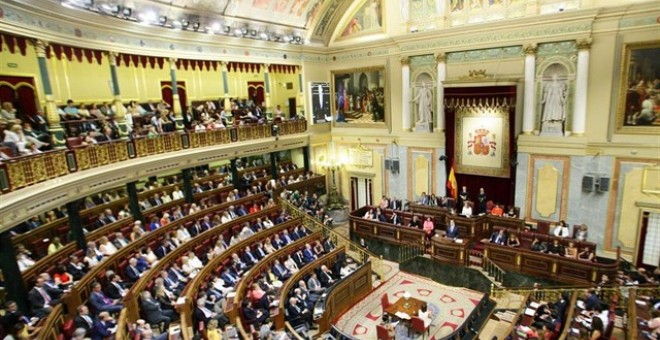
475, 231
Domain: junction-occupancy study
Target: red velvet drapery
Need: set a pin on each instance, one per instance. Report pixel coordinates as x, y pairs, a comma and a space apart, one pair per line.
500, 190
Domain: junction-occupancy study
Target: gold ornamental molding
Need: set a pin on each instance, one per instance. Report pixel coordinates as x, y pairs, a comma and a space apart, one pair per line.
477, 75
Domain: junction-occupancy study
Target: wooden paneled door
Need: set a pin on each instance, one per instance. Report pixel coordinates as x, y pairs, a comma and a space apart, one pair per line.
21, 92
256, 92
166, 93
361, 192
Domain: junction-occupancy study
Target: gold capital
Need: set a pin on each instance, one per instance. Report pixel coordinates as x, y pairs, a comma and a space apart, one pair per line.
531, 49
584, 44
405, 61
40, 47
172, 62
112, 56
441, 57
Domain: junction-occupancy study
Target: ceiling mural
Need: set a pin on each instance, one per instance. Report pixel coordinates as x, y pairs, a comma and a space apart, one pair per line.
367, 20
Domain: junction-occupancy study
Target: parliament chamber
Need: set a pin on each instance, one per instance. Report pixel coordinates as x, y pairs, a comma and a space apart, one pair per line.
329, 169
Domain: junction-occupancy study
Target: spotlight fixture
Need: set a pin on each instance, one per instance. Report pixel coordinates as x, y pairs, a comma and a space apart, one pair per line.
127, 12
253, 32
113, 9
88, 3
298, 39
244, 30
185, 24
238, 32
286, 38
162, 20
227, 29
263, 35
196, 26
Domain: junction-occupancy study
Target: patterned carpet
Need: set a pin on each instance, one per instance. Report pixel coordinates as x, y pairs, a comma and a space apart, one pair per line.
449, 305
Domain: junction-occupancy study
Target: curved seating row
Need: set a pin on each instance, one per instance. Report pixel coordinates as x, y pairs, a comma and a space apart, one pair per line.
215, 266
327, 259
199, 244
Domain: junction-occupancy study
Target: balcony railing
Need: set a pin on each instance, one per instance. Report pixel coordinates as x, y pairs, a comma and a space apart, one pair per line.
21, 172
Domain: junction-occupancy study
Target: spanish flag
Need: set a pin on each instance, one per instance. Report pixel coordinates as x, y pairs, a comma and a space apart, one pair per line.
452, 186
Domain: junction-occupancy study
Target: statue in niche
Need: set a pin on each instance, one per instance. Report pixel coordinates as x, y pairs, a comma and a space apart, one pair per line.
423, 100
554, 104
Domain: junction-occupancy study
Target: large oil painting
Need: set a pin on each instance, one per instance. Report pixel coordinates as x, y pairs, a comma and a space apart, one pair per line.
638, 109
359, 95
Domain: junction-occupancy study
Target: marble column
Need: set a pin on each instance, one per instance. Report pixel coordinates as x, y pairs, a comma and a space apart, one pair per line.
15, 289
176, 103
133, 201
52, 116
442, 76
186, 174
225, 84
405, 93
300, 103
581, 81
530, 95
119, 109
77, 233
267, 104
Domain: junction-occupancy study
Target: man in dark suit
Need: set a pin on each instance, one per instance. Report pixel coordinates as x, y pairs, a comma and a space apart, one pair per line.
83, 320
452, 230
42, 298
463, 196
592, 301
395, 204
253, 315
328, 245
300, 313
280, 271
286, 238
114, 290
241, 210
325, 276
499, 237
308, 254
132, 272
229, 278
153, 313
102, 303
162, 250
260, 252
396, 219
13, 316
301, 232
298, 258
257, 226
104, 327
202, 313
195, 229
248, 258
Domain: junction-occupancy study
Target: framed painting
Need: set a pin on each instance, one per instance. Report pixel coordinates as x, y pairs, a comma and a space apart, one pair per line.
358, 96
638, 109
482, 142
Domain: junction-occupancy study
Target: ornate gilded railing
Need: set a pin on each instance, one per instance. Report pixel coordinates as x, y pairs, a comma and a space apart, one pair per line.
28, 170
409, 251
357, 253
21, 172
96, 155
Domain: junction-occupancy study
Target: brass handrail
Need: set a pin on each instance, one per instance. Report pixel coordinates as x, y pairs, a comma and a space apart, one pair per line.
354, 250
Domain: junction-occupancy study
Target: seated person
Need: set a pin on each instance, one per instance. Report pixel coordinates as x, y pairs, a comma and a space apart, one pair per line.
555, 248
452, 231
396, 219
467, 209
426, 315
586, 254
511, 212
414, 222
385, 322
581, 233
571, 251
561, 230
369, 215
497, 210
513, 241
537, 245
499, 237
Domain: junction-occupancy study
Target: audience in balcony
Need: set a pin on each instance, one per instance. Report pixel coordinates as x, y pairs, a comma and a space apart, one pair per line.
54, 246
